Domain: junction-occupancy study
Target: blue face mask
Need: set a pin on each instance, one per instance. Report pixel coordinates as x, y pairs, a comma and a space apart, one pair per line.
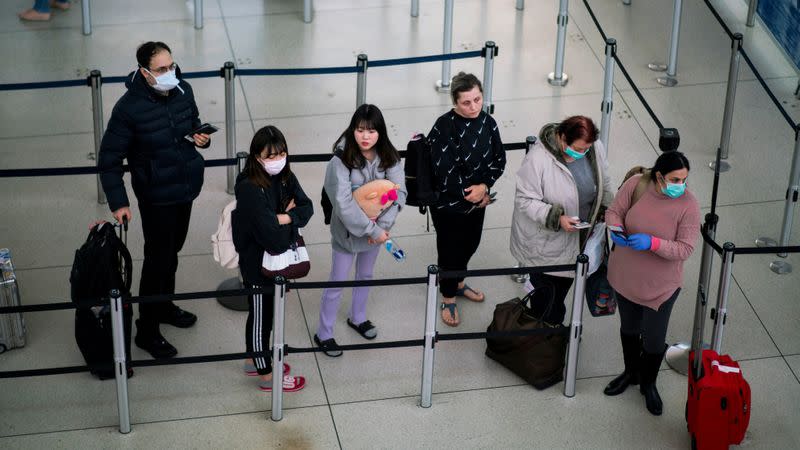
674, 190
575, 155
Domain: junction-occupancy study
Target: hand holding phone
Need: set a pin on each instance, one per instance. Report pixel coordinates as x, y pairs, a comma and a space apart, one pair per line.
618, 230
205, 128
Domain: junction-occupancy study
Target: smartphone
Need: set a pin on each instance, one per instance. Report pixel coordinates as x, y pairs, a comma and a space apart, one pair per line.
618, 230
205, 128
582, 225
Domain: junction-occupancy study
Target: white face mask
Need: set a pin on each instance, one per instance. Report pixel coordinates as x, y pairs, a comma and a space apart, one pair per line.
274, 167
166, 82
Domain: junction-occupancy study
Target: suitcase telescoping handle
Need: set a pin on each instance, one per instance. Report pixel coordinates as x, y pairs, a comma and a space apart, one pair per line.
123, 230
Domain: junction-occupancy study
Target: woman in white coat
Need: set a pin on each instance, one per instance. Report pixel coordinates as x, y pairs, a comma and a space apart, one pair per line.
562, 182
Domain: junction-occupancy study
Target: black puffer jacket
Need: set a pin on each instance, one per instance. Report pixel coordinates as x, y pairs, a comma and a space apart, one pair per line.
148, 129
255, 224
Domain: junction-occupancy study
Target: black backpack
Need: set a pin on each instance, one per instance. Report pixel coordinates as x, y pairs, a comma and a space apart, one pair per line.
325, 201
102, 263
419, 173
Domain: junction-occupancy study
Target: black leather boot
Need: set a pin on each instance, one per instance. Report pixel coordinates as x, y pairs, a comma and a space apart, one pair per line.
631, 352
651, 362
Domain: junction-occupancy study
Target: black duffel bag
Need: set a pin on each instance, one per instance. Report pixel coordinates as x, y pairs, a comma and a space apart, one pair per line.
539, 358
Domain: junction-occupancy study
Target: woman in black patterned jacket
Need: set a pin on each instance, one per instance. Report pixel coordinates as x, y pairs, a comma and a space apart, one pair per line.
468, 158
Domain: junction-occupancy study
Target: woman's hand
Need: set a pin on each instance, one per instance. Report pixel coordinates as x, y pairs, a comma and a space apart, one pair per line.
619, 239
476, 193
380, 240
485, 202
201, 139
284, 219
640, 241
290, 206
567, 223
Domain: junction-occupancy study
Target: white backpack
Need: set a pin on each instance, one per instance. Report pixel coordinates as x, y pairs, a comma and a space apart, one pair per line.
222, 241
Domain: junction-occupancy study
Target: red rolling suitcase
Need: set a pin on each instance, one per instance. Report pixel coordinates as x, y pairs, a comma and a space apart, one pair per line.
718, 403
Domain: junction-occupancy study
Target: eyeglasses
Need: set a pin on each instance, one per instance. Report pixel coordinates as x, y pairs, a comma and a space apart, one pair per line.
163, 70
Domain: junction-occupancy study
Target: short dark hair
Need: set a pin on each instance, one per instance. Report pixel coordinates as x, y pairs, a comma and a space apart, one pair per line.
669, 161
463, 82
146, 51
367, 116
577, 127
270, 138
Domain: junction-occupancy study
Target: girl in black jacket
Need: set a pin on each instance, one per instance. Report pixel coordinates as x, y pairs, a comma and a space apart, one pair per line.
270, 207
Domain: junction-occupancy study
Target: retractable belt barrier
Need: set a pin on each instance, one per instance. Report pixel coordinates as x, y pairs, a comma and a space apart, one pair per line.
121, 360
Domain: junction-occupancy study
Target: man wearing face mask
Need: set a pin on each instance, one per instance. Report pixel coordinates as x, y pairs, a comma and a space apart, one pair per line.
147, 127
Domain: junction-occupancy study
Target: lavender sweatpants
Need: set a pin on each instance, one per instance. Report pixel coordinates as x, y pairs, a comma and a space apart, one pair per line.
340, 269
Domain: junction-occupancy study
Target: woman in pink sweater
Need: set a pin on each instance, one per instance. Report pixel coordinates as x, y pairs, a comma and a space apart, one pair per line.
659, 232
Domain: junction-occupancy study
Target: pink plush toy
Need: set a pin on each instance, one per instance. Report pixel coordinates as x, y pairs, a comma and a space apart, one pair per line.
375, 197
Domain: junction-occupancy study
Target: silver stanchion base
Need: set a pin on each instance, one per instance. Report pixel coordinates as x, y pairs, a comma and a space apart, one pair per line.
626, 2
723, 166
657, 67
667, 81
235, 303
520, 277
780, 267
440, 88
551, 78
677, 357
766, 242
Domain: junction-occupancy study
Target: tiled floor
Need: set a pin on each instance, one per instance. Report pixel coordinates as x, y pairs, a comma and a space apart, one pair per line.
368, 399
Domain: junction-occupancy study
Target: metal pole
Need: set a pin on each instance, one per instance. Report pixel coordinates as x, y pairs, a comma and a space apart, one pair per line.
672, 62
241, 160
229, 73
361, 81
443, 85
792, 193
677, 356
308, 8
198, 14
720, 313
120, 370
730, 98
558, 77
277, 348
87, 17
490, 50
752, 6
581, 269
520, 5
430, 337
414, 8
608, 91
96, 82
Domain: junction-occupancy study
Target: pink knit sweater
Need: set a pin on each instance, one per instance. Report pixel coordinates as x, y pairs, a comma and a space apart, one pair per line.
649, 278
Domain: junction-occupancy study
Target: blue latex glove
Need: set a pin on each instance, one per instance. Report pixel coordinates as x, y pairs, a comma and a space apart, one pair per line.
640, 241
619, 240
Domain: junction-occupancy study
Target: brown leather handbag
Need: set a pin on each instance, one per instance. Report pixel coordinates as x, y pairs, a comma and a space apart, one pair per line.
539, 358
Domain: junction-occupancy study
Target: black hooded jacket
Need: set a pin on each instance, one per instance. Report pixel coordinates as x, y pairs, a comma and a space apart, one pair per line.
255, 224
148, 129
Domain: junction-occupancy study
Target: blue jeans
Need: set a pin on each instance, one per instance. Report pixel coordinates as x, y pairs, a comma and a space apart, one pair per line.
43, 6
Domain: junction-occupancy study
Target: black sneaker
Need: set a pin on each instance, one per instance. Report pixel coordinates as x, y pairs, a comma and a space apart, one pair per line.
156, 345
326, 346
178, 318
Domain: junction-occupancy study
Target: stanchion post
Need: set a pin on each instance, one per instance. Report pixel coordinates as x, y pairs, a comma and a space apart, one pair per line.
672, 60
579, 290
120, 369
720, 312
677, 356
792, 193
229, 74
520, 5
443, 85
426, 392
241, 160
95, 81
414, 8
752, 6
361, 81
558, 77
608, 92
308, 10
198, 14
626, 2
490, 50
730, 98
86, 17
277, 348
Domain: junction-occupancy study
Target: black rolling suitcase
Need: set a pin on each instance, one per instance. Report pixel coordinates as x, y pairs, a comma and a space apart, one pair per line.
101, 264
